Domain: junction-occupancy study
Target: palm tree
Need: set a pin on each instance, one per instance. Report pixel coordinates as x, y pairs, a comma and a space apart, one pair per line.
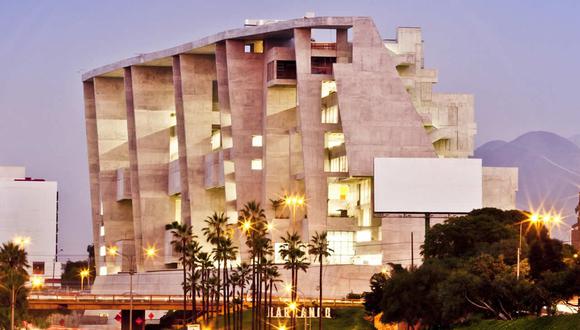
205, 263
319, 248
226, 251
182, 237
252, 221
13, 274
244, 272
216, 226
293, 251
272, 276
192, 250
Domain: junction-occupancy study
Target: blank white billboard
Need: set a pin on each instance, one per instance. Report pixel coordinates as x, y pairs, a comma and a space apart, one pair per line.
427, 185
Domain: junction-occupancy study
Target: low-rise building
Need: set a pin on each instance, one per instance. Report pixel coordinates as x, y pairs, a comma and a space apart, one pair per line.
28, 217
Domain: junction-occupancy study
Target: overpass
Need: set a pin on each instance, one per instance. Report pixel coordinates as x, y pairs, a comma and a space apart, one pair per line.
88, 301
85, 301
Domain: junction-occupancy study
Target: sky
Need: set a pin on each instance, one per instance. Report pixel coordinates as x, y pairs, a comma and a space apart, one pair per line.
519, 58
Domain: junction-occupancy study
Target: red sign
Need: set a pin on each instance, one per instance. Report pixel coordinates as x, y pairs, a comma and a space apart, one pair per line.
151, 316
118, 317
139, 321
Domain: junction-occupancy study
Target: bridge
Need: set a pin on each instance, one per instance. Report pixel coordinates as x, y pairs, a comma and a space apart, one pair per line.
84, 301
88, 301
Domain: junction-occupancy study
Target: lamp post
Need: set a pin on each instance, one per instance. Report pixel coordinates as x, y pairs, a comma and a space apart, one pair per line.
534, 219
36, 282
149, 253
84, 273
293, 201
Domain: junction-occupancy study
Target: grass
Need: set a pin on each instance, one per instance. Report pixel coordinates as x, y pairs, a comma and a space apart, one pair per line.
351, 318
561, 322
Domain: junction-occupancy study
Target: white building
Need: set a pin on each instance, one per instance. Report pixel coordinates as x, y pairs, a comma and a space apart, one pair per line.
28, 216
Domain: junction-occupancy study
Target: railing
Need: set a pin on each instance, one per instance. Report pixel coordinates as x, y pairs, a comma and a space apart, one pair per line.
82, 297
323, 45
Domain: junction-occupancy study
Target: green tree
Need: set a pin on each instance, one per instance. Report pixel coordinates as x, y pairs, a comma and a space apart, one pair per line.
182, 237
13, 276
319, 248
293, 250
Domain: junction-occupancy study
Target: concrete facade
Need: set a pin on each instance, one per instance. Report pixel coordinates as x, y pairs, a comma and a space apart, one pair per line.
262, 112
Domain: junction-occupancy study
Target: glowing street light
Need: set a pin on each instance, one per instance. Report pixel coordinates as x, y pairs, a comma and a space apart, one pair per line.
84, 273
246, 225
293, 201
36, 282
151, 252
270, 226
21, 241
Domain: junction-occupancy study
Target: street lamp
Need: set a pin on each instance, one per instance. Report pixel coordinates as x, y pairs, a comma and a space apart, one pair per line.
149, 252
535, 219
84, 273
293, 201
36, 282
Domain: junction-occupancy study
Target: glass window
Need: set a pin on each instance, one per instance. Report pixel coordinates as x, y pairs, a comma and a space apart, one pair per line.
277, 257
102, 250
256, 141
363, 235
102, 231
333, 139
173, 145
256, 164
103, 270
216, 139
38, 267
342, 243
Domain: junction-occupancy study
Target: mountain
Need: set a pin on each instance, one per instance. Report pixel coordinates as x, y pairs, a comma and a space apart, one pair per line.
549, 172
575, 139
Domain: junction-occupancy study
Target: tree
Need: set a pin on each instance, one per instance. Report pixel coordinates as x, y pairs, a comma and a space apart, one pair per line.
293, 251
481, 231
319, 248
252, 222
13, 276
182, 237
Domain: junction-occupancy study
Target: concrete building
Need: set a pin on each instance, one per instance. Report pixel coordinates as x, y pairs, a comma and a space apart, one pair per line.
28, 217
261, 112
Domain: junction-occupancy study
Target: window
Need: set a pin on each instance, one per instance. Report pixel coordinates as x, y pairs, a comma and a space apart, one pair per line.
177, 204
103, 270
173, 144
329, 114
339, 164
322, 65
333, 139
38, 267
214, 96
102, 251
256, 141
342, 243
248, 48
363, 235
102, 230
256, 164
216, 139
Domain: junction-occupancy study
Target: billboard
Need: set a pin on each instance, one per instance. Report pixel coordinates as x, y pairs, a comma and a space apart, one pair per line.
427, 185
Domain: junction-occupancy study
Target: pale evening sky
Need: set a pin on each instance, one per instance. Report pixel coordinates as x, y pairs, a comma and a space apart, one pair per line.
519, 59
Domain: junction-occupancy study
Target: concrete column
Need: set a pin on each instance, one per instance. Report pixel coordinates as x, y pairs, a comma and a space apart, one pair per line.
150, 115
93, 154
193, 79
312, 135
113, 155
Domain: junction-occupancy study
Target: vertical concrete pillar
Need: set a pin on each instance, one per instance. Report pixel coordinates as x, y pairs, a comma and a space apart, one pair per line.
150, 116
312, 134
193, 80
113, 155
93, 155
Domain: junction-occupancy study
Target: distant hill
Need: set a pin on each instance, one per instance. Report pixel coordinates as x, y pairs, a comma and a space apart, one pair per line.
549, 171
